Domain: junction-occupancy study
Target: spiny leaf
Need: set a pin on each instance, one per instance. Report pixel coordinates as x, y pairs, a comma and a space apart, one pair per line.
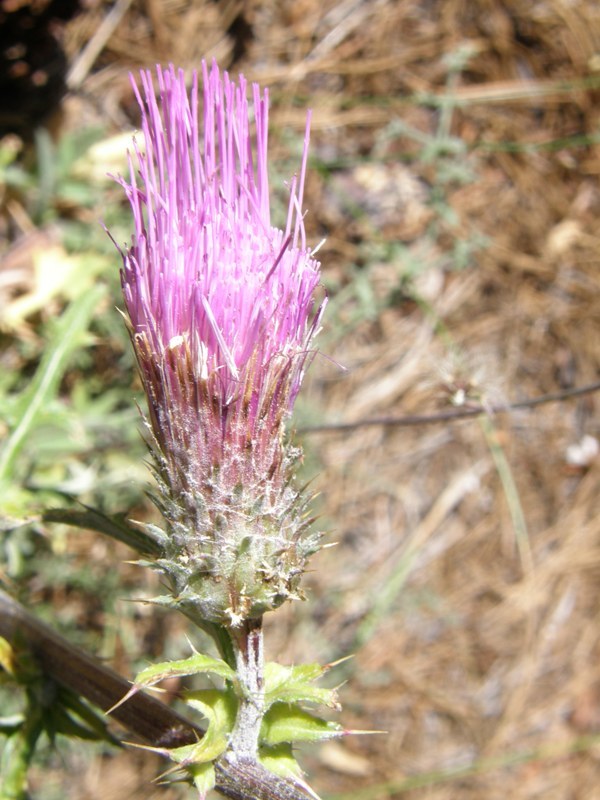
285, 723
194, 665
294, 685
204, 778
280, 760
219, 708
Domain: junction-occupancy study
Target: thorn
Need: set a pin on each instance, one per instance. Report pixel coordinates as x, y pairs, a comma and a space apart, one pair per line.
134, 690
143, 600
166, 774
160, 750
304, 785
333, 664
361, 733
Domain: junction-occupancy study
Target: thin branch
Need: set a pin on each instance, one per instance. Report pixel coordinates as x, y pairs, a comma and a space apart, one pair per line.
471, 410
144, 716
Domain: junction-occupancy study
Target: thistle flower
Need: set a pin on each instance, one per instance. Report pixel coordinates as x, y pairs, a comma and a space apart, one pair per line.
222, 315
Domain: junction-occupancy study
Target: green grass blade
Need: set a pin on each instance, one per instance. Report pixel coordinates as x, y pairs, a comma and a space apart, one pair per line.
511, 492
53, 364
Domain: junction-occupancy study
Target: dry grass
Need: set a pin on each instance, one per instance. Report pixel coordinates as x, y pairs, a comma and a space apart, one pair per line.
469, 651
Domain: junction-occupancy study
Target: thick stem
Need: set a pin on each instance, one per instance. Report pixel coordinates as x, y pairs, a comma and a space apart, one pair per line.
249, 662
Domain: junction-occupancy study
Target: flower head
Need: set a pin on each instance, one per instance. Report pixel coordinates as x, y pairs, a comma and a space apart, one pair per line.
222, 316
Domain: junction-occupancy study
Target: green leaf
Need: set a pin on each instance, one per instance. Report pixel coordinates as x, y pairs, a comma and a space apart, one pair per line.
294, 685
280, 761
14, 764
204, 778
95, 722
220, 708
43, 386
115, 526
17, 756
285, 723
57, 720
194, 665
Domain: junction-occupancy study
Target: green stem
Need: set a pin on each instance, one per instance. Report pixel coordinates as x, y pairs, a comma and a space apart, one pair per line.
248, 644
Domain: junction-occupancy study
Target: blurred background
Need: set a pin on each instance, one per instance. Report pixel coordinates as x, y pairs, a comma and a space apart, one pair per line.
454, 175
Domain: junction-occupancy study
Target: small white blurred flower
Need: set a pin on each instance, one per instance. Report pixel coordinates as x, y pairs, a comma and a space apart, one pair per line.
584, 453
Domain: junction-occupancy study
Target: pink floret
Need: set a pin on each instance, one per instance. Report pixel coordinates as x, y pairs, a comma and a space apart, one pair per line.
221, 304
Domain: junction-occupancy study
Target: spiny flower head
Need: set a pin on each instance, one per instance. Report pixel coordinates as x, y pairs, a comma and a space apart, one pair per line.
222, 315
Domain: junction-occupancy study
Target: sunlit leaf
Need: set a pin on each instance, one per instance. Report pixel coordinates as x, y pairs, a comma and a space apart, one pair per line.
295, 684
285, 723
280, 761
194, 665
219, 708
204, 779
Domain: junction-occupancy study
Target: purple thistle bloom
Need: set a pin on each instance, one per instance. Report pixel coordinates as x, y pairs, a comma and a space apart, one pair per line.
222, 317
